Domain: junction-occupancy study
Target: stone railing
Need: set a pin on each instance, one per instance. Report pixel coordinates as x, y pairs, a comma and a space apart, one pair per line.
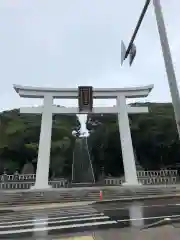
113, 181
26, 185
161, 173
164, 177
20, 177
158, 181
144, 181
25, 181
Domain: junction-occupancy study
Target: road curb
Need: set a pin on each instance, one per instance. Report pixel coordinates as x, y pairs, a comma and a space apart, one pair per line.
131, 199
6, 211
45, 206
52, 205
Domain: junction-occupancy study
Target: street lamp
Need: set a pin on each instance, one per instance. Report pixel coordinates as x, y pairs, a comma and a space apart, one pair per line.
166, 55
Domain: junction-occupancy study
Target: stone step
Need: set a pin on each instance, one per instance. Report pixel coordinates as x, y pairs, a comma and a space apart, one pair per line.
35, 201
54, 194
75, 194
76, 185
27, 198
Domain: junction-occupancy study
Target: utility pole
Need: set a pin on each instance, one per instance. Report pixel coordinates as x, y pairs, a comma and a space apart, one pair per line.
166, 55
168, 62
131, 49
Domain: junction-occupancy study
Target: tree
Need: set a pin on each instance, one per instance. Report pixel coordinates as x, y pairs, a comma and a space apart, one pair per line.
19, 139
154, 136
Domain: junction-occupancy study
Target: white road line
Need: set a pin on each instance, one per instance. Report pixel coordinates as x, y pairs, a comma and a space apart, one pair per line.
70, 210
60, 213
41, 217
52, 218
147, 218
144, 206
24, 212
58, 227
55, 222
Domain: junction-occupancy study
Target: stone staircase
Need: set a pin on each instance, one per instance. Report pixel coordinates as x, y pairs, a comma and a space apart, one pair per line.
82, 171
75, 195
28, 198
80, 185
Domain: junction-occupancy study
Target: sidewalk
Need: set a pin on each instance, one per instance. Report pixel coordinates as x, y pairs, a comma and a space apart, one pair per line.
85, 203
117, 187
140, 198
45, 206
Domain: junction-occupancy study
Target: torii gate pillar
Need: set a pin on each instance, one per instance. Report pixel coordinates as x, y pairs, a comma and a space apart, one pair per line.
126, 143
42, 171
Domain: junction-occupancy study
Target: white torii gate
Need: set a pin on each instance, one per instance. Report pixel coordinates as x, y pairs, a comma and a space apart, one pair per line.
48, 109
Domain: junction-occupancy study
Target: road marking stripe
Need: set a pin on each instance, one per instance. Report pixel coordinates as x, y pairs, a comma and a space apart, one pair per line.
147, 218
143, 206
53, 222
53, 218
58, 213
57, 227
75, 238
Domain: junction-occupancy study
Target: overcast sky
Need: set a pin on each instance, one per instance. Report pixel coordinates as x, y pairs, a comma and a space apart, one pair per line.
66, 43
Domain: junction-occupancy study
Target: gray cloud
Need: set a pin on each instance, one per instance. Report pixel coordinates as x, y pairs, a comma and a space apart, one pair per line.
74, 42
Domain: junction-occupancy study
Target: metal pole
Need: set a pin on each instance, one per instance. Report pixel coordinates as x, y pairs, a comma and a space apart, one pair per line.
168, 62
137, 27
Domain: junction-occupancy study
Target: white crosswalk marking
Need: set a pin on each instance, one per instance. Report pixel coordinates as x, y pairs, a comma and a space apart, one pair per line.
52, 212
85, 218
59, 223
47, 219
59, 227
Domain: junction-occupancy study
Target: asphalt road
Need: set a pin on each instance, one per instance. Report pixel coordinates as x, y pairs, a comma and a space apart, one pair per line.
141, 213
48, 223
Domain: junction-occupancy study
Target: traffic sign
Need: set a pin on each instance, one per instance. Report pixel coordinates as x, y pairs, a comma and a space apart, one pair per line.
123, 52
132, 54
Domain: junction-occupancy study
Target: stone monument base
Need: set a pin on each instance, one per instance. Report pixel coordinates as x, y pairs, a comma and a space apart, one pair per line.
35, 187
126, 184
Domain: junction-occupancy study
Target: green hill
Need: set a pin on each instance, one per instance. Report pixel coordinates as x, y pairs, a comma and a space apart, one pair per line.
19, 138
154, 137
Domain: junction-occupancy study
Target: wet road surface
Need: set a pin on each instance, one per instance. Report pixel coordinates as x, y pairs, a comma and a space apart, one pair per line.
50, 223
